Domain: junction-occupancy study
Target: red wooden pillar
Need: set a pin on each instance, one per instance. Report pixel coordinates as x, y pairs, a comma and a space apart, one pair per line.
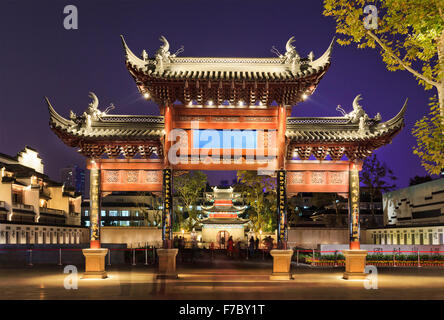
94, 204
353, 202
281, 179
282, 128
168, 122
167, 213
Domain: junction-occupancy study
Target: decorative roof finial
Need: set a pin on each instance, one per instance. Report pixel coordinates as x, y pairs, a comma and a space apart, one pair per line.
358, 115
164, 49
289, 46
291, 55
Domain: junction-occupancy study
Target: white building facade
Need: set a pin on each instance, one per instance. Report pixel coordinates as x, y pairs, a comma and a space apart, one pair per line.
33, 208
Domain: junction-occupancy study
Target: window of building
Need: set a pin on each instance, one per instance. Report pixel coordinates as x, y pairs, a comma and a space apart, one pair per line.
125, 213
17, 196
136, 213
86, 213
124, 223
87, 223
103, 213
113, 213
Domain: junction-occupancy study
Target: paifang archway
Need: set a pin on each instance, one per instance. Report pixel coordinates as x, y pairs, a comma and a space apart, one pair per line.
236, 110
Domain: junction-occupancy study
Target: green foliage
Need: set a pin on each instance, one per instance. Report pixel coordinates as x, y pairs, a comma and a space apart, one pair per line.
322, 199
259, 192
418, 180
377, 176
429, 134
410, 36
408, 33
188, 188
294, 206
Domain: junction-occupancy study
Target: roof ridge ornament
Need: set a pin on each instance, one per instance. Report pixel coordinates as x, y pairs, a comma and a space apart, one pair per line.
358, 115
291, 56
92, 113
324, 59
163, 54
276, 52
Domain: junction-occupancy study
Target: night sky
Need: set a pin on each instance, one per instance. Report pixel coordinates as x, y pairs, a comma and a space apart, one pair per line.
40, 58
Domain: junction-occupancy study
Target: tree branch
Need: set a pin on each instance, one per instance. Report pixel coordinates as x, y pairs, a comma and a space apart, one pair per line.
402, 63
441, 14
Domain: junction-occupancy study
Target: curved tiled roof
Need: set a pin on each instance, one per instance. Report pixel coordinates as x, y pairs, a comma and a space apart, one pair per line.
338, 129
110, 126
285, 79
228, 68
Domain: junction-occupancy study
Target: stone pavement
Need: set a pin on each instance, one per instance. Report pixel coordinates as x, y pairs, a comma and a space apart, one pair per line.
221, 281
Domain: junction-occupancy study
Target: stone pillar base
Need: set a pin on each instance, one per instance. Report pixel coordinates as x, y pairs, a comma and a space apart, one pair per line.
281, 264
167, 263
95, 263
354, 264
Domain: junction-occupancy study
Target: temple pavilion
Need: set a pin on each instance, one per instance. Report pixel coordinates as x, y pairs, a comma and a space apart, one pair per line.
223, 207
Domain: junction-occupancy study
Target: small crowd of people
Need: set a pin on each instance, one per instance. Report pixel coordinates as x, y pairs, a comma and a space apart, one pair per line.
233, 248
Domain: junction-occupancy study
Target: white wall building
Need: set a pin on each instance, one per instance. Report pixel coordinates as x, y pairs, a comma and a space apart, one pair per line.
33, 208
412, 216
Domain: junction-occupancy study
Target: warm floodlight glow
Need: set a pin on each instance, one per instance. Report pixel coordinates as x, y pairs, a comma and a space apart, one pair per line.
146, 95
241, 103
210, 103
304, 96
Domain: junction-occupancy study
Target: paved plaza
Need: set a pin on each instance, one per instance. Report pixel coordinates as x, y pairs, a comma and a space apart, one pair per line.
222, 281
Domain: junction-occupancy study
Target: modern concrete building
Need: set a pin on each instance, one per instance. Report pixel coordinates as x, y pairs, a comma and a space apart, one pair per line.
127, 209
33, 208
74, 177
412, 215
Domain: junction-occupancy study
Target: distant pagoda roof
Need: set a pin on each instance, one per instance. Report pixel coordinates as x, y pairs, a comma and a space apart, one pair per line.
224, 221
283, 79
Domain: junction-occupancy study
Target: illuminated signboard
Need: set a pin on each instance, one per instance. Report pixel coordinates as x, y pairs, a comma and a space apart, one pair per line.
224, 139
281, 206
167, 205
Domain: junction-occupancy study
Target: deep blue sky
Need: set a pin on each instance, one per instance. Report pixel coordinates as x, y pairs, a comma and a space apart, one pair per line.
40, 58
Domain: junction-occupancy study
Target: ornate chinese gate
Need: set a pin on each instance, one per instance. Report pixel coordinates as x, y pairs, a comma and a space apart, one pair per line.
221, 114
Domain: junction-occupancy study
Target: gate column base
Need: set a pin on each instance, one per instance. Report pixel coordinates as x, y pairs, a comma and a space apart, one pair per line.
281, 264
167, 263
354, 264
95, 263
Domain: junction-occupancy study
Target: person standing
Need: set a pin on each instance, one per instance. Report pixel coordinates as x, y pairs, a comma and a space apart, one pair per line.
251, 246
237, 249
230, 247
181, 248
256, 244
